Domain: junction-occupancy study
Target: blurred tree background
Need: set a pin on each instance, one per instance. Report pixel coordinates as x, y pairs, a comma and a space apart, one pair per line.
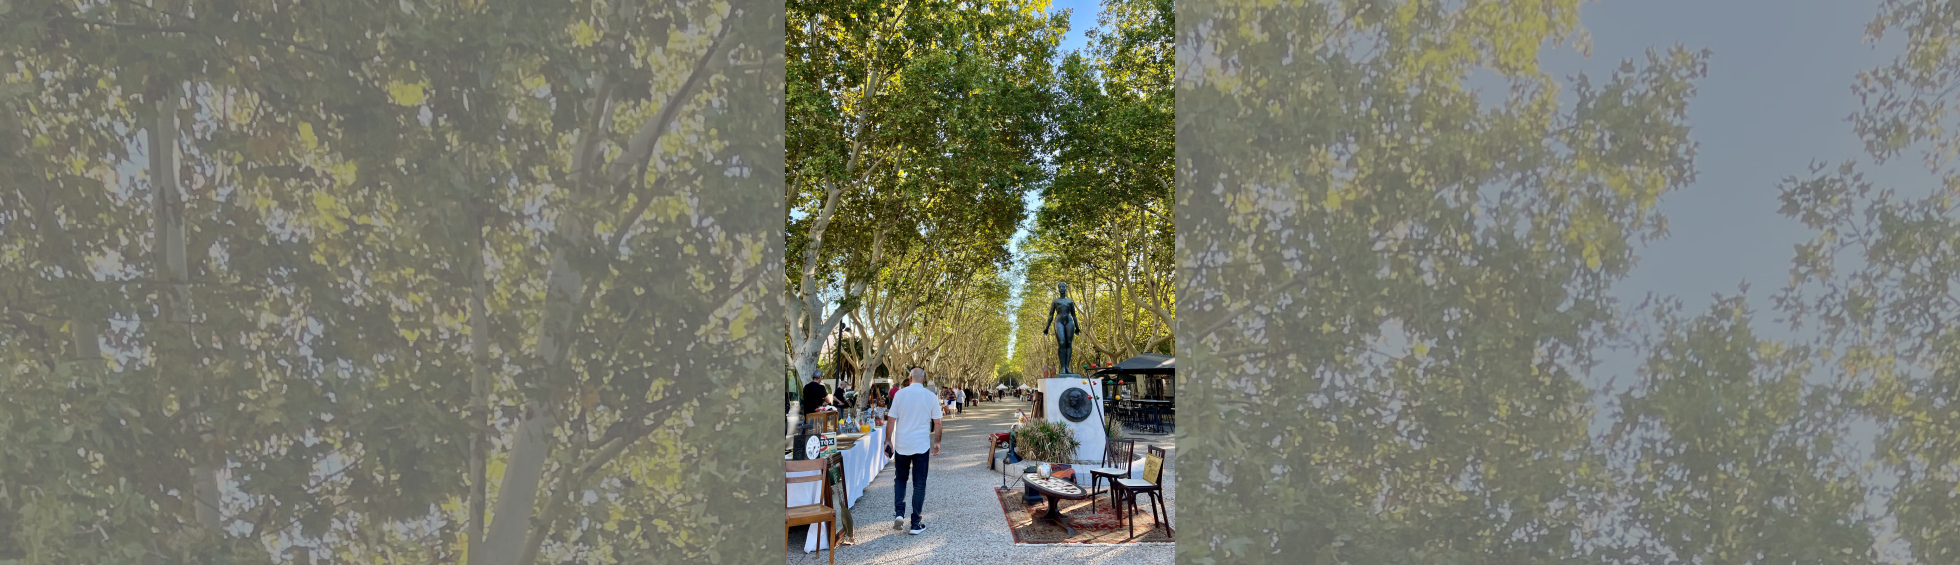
388, 282
1397, 239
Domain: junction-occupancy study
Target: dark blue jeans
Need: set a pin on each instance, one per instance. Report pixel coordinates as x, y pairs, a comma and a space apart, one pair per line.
915, 466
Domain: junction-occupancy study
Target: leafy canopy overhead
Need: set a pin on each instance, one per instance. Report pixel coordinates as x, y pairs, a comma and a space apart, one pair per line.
409, 235
915, 129
1403, 285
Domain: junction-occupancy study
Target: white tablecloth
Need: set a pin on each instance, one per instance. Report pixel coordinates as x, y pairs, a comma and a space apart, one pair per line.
862, 462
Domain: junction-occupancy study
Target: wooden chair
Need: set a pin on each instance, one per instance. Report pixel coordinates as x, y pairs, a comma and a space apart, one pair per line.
1127, 490
810, 514
993, 448
1120, 452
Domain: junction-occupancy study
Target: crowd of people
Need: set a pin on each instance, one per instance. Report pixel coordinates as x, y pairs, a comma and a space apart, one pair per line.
816, 396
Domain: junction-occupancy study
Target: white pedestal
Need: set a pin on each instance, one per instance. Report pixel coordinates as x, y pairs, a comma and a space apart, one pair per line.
1089, 431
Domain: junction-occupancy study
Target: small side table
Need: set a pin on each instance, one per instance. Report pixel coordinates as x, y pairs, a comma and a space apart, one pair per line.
1056, 491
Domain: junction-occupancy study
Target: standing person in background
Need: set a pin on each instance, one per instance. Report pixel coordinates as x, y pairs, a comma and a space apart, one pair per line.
813, 394
912, 433
959, 400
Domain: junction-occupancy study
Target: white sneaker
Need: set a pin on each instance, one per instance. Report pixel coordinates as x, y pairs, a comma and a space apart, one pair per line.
898, 523
919, 527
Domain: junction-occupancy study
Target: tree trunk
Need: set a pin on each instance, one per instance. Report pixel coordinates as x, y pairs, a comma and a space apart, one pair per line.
479, 407
508, 541
167, 203
517, 496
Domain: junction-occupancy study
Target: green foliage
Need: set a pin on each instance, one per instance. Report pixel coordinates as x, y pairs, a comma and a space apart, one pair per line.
914, 129
1390, 288
349, 180
1728, 455
1875, 283
1043, 440
1006, 374
1105, 222
1115, 144
1427, 273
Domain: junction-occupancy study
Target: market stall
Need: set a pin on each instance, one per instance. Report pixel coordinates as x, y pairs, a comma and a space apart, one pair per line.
1140, 391
862, 461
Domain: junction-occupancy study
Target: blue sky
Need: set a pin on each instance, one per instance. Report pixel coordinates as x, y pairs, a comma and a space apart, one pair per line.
1775, 99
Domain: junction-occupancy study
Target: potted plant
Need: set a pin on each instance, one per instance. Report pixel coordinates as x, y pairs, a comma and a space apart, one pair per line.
1041, 443
1046, 441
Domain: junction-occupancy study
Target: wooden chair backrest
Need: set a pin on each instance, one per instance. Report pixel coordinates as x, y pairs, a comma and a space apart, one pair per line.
805, 466
1153, 465
822, 466
1121, 453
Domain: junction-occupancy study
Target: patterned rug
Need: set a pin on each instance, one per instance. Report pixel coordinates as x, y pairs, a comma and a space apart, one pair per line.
1098, 526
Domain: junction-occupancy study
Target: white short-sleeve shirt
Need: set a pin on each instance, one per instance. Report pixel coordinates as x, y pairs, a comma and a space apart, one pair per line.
915, 408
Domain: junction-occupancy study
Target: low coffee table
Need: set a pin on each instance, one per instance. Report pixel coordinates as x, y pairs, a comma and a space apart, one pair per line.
1056, 491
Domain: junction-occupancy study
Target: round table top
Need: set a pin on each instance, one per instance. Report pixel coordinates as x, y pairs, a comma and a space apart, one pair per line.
1053, 486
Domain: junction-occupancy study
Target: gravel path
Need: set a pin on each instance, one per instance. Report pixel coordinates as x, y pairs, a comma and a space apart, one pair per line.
963, 517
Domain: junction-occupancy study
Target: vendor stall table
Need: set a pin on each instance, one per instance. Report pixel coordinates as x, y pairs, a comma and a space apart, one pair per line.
862, 462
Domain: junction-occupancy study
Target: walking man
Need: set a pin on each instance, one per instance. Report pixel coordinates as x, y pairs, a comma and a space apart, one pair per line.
959, 400
912, 435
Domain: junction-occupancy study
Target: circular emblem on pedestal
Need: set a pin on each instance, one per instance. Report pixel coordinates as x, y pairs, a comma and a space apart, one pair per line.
1075, 405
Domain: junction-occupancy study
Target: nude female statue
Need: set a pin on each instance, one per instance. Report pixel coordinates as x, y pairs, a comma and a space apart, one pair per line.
1061, 318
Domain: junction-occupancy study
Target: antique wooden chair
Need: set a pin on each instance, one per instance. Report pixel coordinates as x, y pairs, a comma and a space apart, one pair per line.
1127, 490
812, 514
1120, 452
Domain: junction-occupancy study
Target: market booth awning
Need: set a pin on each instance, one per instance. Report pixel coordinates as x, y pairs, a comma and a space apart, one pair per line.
1141, 391
1145, 364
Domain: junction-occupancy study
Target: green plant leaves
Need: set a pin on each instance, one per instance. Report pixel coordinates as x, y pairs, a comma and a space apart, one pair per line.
347, 181
1047, 441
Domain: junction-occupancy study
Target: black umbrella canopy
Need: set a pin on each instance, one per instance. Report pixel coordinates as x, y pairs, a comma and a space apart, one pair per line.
1145, 364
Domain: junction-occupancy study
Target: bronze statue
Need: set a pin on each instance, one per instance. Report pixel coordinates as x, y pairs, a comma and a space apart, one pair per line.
1064, 325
